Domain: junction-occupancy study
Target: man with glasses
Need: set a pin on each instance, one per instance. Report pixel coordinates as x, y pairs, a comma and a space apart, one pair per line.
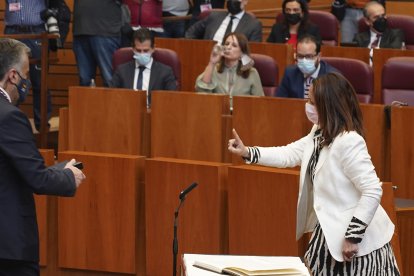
298, 78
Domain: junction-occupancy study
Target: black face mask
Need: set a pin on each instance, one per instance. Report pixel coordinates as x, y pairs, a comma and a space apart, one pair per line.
293, 18
380, 25
234, 6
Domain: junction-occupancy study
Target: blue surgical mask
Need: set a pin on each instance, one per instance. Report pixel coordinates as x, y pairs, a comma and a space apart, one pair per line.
142, 58
306, 66
23, 87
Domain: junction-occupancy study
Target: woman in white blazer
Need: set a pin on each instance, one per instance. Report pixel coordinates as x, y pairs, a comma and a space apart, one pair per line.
340, 193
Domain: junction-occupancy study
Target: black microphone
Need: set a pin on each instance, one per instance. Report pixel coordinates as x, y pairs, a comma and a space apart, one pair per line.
175, 240
187, 190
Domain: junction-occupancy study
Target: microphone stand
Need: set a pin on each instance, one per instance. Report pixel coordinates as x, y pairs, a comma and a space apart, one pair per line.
175, 240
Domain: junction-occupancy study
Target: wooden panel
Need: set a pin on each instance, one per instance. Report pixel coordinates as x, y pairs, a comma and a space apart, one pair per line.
106, 120
97, 229
377, 138
63, 143
400, 7
387, 202
346, 52
262, 211
262, 121
379, 58
41, 210
187, 125
402, 151
202, 225
405, 217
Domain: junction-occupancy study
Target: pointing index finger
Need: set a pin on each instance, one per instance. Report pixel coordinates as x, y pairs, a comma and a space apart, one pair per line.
236, 136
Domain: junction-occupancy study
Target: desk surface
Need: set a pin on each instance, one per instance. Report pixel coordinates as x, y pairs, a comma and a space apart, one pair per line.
402, 204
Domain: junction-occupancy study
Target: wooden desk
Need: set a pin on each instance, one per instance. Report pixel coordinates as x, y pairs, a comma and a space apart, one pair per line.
42, 212
106, 120
202, 226
188, 125
102, 227
346, 52
260, 201
405, 218
402, 147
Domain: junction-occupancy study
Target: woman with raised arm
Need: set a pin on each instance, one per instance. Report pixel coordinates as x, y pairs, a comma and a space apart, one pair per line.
340, 193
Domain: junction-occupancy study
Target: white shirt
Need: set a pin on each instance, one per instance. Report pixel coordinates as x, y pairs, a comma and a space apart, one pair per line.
219, 35
145, 75
5, 94
314, 76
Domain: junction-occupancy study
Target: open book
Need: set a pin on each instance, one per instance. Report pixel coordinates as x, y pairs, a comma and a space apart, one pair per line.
246, 265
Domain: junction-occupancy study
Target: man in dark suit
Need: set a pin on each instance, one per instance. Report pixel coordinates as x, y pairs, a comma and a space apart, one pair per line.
22, 170
298, 78
378, 35
144, 73
218, 24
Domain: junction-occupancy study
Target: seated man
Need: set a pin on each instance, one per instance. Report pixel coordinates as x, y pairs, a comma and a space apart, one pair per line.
144, 73
309, 66
218, 24
379, 35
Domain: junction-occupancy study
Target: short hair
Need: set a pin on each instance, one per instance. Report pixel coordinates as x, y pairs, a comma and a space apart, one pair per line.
306, 38
303, 6
142, 35
337, 105
11, 52
369, 4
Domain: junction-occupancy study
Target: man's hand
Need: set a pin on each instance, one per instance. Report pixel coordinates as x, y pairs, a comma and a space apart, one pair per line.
79, 176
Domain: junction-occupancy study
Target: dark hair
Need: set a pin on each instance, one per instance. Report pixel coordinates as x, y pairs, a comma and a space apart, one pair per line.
305, 10
11, 52
306, 38
337, 105
142, 35
367, 5
244, 47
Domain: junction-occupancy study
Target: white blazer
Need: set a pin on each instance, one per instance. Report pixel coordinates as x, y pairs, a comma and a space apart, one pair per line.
345, 186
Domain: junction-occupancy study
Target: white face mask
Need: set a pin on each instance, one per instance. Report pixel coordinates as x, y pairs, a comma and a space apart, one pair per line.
311, 113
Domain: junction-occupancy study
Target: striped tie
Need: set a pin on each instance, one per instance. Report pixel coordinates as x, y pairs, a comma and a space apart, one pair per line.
308, 82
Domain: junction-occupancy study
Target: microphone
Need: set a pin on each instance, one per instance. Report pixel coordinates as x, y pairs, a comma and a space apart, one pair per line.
187, 190
175, 240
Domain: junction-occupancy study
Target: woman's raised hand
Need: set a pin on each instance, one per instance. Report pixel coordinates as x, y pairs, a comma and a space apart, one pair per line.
237, 147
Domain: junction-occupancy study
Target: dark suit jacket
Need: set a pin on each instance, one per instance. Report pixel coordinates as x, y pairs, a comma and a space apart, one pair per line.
22, 173
280, 34
292, 85
391, 38
207, 28
161, 77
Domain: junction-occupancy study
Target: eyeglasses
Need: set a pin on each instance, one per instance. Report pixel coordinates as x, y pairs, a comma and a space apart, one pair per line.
311, 56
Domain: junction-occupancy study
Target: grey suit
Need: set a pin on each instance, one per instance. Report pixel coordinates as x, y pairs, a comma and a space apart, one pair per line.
161, 77
207, 28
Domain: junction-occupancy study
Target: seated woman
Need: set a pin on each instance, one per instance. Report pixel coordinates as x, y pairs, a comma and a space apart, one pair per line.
225, 72
295, 23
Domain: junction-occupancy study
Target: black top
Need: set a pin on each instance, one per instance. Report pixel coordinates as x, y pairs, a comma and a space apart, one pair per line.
280, 32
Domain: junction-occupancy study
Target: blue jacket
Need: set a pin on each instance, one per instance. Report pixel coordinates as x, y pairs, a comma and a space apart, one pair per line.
293, 80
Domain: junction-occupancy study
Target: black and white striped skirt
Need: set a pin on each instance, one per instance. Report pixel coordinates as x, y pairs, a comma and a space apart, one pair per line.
380, 262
